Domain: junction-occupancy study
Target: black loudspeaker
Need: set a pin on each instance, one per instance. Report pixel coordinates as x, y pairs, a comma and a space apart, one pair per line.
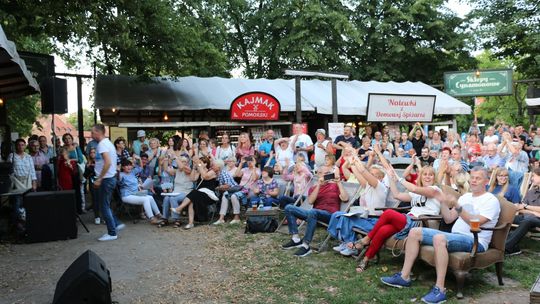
54, 96
87, 280
50, 216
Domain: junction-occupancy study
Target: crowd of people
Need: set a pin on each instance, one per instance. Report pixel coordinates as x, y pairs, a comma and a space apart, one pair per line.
194, 175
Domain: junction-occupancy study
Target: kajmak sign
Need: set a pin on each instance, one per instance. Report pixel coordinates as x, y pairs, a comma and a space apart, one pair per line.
400, 108
483, 83
255, 106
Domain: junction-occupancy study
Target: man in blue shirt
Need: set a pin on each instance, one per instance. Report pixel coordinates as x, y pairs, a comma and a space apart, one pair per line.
141, 135
266, 147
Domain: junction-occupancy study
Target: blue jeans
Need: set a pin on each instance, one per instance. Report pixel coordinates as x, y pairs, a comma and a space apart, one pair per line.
172, 201
267, 201
341, 227
310, 216
104, 198
454, 242
287, 200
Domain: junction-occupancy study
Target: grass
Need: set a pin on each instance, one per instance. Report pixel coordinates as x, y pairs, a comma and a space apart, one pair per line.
264, 273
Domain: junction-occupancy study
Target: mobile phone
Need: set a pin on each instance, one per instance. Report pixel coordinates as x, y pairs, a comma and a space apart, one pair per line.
329, 176
249, 158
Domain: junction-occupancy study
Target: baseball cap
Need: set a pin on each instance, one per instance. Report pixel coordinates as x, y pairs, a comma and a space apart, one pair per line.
322, 131
141, 133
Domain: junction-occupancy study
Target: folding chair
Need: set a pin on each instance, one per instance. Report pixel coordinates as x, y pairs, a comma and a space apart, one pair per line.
122, 208
354, 191
300, 201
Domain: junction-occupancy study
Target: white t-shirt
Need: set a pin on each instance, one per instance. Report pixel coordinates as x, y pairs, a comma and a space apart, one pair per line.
303, 141
283, 155
486, 205
224, 153
374, 197
424, 206
491, 139
320, 154
106, 146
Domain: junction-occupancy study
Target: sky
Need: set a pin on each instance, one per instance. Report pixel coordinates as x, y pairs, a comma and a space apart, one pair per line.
457, 6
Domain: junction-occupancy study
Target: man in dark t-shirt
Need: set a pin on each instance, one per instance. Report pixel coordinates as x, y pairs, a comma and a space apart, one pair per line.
348, 137
425, 158
326, 197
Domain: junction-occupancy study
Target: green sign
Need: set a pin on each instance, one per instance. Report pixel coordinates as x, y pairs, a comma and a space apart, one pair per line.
479, 83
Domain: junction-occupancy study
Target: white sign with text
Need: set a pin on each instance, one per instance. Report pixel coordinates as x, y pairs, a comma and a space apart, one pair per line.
335, 129
400, 108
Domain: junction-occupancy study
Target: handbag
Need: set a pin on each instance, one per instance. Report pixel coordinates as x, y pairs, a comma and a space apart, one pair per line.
256, 224
235, 189
21, 182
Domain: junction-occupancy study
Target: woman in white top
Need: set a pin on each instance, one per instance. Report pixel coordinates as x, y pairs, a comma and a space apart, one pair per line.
424, 198
225, 150
182, 186
283, 151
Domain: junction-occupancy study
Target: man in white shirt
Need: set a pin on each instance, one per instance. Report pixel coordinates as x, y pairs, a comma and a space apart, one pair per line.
105, 183
302, 143
322, 148
476, 205
491, 137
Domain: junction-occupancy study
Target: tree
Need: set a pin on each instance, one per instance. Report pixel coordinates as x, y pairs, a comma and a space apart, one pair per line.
372, 40
138, 37
88, 119
22, 114
511, 30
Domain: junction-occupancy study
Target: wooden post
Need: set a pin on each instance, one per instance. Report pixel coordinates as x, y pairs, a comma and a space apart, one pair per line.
298, 94
334, 101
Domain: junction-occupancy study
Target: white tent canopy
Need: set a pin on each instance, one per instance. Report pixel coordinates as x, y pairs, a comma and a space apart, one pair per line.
196, 93
532, 102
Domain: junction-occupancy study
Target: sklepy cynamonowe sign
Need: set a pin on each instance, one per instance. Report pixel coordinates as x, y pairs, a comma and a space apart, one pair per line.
255, 106
400, 108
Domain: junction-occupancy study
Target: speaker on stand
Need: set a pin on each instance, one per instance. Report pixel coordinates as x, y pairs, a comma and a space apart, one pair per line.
86, 281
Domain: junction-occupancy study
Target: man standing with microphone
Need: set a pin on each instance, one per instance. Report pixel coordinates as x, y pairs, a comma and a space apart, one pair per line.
105, 182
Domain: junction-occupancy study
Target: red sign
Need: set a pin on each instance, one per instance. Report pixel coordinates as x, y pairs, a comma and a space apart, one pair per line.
255, 106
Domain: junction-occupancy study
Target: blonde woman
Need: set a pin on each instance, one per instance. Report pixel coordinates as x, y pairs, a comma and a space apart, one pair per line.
424, 200
245, 148
500, 185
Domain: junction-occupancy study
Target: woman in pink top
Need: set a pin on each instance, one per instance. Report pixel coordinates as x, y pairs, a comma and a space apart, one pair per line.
300, 176
245, 148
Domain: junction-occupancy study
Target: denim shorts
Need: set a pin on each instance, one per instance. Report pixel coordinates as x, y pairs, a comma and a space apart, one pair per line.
242, 197
455, 242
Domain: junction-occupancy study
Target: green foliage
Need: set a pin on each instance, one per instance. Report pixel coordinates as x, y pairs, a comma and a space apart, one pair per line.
88, 119
139, 37
22, 114
372, 40
511, 28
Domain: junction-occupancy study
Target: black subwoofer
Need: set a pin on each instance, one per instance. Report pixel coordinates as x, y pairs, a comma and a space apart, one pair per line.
86, 281
50, 216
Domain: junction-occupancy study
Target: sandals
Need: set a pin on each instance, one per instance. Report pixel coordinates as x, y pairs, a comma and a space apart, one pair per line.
143, 216
362, 266
177, 224
162, 223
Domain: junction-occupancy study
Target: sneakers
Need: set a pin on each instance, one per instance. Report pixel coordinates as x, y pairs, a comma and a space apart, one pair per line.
434, 296
107, 237
513, 251
348, 251
396, 281
234, 222
340, 248
218, 222
97, 221
188, 226
120, 227
303, 251
291, 244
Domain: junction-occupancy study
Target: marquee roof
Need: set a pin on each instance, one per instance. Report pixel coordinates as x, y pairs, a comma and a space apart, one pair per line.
197, 93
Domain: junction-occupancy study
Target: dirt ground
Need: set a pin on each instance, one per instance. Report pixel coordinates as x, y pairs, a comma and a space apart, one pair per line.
147, 265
